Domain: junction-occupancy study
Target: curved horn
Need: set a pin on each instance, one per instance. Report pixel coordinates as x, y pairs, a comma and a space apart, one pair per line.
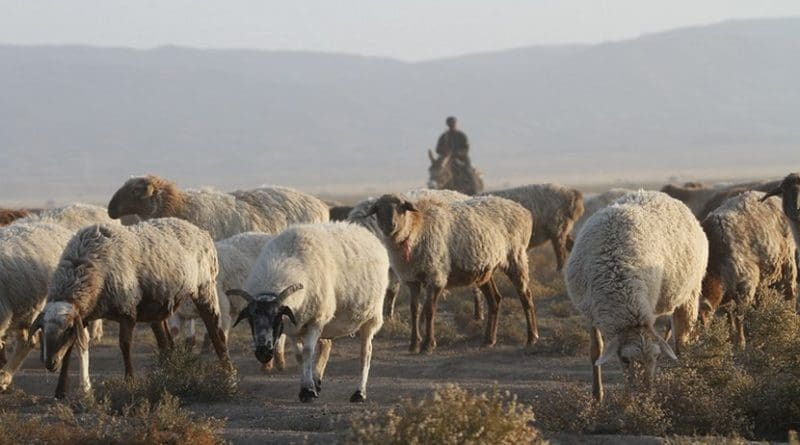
774, 192
241, 293
285, 310
290, 290
371, 210
665, 347
430, 156
242, 315
37, 324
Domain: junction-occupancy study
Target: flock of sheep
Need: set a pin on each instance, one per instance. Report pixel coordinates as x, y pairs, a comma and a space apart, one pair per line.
269, 256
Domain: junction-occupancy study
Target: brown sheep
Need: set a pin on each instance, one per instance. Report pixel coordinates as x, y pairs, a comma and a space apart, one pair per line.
7, 216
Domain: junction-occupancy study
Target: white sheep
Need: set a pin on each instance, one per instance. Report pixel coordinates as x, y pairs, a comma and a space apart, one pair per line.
329, 281
643, 256
265, 209
236, 256
29, 254
555, 209
436, 245
138, 273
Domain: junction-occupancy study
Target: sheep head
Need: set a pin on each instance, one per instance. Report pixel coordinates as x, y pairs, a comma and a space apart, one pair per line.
638, 350
393, 213
142, 196
62, 327
264, 312
789, 190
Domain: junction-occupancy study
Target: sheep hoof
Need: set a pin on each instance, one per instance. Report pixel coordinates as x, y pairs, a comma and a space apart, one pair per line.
318, 385
428, 347
358, 397
414, 348
267, 367
307, 395
5, 381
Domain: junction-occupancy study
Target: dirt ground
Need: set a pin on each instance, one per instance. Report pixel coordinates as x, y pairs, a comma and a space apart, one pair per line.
267, 409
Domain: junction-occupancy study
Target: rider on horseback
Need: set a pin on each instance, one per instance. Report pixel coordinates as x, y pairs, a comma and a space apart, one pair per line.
453, 142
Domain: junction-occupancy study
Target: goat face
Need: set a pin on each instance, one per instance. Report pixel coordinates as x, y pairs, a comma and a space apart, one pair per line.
264, 312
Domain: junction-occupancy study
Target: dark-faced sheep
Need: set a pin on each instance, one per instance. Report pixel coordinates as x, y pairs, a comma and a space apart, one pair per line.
435, 245
138, 273
329, 281
750, 248
641, 257
266, 209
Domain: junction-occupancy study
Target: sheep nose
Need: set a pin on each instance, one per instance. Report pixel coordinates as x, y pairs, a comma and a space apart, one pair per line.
263, 354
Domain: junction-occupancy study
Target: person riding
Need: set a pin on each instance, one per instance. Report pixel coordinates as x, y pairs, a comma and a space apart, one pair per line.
453, 142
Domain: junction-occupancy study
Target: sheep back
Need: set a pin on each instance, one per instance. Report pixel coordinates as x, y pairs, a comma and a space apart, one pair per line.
342, 268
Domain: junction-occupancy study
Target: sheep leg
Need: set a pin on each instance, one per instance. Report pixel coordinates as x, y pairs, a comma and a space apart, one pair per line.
517, 272
323, 354
683, 320
225, 319
595, 351
391, 294
367, 332
477, 301
161, 333
414, 288
493, 303
22, 347
125, 339
209, 312
63, 375
308, 390
560, 249
789, 282
83, 357
430, 318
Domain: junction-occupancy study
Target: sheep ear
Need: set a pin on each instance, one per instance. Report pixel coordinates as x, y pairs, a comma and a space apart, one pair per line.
288, 312
81, 333
371, 210
37, 324
240, 293
242, 315
666, 349
775, 192
290, 290
408, 206
430, 156
609, 351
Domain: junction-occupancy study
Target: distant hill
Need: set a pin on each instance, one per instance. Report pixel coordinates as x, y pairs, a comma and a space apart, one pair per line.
717, 100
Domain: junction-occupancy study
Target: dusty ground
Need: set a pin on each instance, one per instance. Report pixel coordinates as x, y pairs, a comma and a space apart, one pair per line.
268, 411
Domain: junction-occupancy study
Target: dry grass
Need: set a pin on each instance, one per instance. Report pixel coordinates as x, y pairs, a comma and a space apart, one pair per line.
713, 390
451, 416
178, 372
163, 422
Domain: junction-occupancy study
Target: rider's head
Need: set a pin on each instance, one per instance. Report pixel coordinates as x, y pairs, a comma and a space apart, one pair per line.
451, 122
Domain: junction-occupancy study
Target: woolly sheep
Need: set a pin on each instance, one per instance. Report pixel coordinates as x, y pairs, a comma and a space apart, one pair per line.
138, 273
437, 245
592, 204
358, 215
29, 255
555, 209
641, 257
236, 256
699, 197
329, 280
266, 209
750, 248
736, 190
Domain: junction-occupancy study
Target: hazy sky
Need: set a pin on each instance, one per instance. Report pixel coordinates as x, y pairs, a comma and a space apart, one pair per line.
407, 29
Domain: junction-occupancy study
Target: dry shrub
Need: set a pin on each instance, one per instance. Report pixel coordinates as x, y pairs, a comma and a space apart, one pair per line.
452, 415
164, 422
705, 440
562, 309
177, 371
712, 390
570, 337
